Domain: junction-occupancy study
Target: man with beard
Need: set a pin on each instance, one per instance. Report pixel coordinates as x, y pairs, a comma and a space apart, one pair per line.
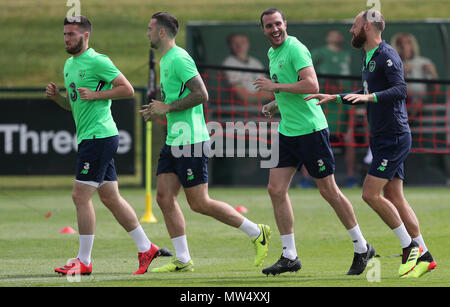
91, 81
183, 158
303, 140
384, 91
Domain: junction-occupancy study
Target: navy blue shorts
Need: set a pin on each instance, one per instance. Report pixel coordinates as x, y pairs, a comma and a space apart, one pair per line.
312, 150
389, 154
95, 162
188, 162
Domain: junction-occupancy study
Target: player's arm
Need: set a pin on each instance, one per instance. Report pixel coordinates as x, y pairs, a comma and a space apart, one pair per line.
307, 83
270, 109
198, 95
121, 88
52, 92
351, 98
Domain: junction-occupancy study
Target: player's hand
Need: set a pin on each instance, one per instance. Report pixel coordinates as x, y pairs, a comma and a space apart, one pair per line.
269, 109
354, 98
323, 98
158, 108
86, 94
264, 84
154, 109
51, 91
145, 112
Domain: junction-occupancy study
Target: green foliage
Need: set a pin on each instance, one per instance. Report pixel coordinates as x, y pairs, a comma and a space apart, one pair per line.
32, 39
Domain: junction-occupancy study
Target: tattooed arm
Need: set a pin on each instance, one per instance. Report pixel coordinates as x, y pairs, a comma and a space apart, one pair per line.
198, 95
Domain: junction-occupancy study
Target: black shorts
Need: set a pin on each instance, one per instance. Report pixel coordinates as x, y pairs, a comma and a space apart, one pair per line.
95, 160
312, 150
389, 154
190, 167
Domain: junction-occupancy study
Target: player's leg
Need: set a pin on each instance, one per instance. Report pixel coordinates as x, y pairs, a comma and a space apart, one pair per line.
84, 187
82, 197
168, 188
394, 192
200, 202
119, 207
372, 195
279, 182
126, 216
333, 195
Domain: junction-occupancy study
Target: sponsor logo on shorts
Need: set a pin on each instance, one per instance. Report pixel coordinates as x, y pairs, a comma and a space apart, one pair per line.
383, 165
85, 170
190, 174
321, 165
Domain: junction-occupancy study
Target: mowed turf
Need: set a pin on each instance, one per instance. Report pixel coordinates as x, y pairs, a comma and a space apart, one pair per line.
30, 245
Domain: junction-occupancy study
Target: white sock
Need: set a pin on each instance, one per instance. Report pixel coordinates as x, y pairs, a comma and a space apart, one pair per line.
181, 248
289, 250
359, 243
421, 242
84, 253
140, 238
250, 228
403, 236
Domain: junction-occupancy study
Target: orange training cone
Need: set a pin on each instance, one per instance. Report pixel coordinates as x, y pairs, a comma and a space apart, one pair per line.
67, 230
241, 209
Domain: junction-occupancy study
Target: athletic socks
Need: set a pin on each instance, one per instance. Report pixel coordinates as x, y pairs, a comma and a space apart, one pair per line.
181, 248
250, 228
288, 243
84, 253
359, 243
421, 242
140, 238
403, 236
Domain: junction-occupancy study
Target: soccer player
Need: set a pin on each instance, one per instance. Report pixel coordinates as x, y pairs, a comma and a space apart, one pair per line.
91, 81
384, 91
183, 94
303, 140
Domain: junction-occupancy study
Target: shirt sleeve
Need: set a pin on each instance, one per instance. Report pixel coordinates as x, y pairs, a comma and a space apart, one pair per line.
185, 68
300, 57
106, 70
393, 72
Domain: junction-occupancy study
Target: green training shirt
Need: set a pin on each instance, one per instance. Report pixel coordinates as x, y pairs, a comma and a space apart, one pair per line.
187, 126
298, 117
94, 71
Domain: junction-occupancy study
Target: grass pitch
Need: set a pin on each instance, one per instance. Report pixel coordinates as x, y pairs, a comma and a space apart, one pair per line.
30, 245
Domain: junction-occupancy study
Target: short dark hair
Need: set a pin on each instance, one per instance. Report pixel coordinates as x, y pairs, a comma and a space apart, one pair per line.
375, 18
167, 21
270, 11
83, 23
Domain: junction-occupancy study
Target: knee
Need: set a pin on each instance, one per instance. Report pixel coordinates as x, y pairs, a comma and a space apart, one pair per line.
276, 191
78, 198
109, 199
393, 197
330, 194
370, 198
162, 199
199, 206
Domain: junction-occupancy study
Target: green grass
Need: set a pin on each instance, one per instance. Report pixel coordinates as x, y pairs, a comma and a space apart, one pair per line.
30, 245
33, 47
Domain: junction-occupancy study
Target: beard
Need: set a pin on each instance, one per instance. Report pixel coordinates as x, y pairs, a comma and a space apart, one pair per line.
359, 40
77, 48
155, 44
